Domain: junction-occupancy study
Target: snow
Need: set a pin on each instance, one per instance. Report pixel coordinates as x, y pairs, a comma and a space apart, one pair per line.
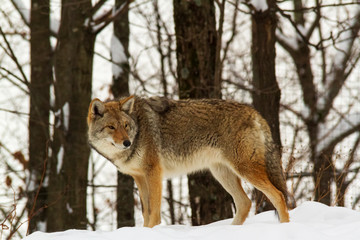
97, 27
311, 220
118, 56
259, 5
69, 209
54, 25
66, 115
292, 42
60, 157
31, 182
41, 225
24, 11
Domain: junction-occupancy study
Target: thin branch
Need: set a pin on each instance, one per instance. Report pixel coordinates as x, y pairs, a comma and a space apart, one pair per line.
159, 48
338, 76
14, 58
340, 137
15, 226
296, 27
349, 162
101, 22
233, 33
322, 49
298, 114
240, 86
312, 9
13, 82
21, 12
96, 7
219, 34
14, 112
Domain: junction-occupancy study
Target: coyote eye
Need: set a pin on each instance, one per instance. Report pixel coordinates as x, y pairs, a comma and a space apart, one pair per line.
126, 125
111, 127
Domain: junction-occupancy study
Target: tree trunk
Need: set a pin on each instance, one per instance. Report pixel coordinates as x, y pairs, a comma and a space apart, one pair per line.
70, 149
266, 97
196, 48
323, 176
120, 88
41, 78
196, 40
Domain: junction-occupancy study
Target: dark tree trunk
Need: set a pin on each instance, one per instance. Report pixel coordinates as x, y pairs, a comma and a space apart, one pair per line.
196, 39
125, 201
41, 78
323, 176
266, 97
196, 48
70, 149
120, 88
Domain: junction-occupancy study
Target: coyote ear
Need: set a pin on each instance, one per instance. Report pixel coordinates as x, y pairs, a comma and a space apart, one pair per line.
127, 104
96, 108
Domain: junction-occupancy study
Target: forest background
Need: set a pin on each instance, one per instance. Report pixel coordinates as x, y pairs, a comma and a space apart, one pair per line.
296, 62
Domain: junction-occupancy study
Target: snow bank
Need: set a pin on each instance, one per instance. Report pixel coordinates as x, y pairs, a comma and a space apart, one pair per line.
309, 221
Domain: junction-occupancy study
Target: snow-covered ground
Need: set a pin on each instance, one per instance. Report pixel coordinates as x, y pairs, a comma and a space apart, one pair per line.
311, 220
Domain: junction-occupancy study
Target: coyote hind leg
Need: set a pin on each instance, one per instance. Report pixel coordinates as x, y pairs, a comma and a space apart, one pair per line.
232, 184
259, 179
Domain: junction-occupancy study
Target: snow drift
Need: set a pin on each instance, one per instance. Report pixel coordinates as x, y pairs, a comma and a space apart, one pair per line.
309, 221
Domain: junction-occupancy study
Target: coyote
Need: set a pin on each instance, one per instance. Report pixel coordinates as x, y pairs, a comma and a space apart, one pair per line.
152, 138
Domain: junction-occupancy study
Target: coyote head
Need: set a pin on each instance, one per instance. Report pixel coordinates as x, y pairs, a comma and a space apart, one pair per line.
111, 127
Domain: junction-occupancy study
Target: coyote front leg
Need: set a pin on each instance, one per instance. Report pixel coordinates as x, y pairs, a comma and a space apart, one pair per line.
150, 187
154, 186
144, 197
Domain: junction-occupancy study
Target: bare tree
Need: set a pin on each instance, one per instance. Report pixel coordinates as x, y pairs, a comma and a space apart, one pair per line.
65, 204
70, 151
120, 88
319, 97
196, 39
39, 136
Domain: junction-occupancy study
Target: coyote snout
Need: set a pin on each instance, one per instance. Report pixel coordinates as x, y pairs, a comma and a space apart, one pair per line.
124, 145
152, 138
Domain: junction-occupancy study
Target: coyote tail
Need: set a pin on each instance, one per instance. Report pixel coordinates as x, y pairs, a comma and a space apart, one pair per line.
275, 171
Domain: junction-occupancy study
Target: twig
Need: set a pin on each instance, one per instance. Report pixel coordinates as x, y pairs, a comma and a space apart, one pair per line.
14, 58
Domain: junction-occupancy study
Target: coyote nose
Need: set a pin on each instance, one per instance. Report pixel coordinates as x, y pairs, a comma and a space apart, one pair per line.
127, 143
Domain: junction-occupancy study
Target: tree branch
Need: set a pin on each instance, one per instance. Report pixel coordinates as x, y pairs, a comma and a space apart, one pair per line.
21, 10
14, 58
98, 24
337, 76
345, 127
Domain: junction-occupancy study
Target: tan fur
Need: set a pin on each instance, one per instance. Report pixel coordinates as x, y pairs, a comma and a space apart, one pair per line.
154, 138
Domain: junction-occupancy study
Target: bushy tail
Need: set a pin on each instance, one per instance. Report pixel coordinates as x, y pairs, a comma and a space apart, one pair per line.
275, 171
